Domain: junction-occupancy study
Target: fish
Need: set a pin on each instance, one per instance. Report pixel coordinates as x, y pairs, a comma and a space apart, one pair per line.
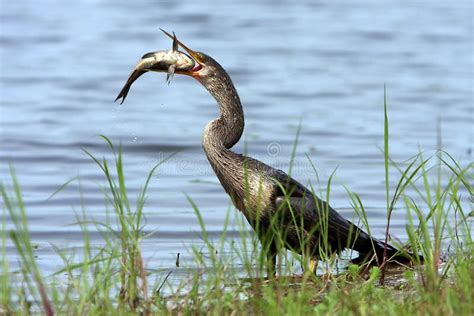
168, 61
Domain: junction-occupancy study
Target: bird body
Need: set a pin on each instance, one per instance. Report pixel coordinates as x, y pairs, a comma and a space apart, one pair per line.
264, 194
283, 212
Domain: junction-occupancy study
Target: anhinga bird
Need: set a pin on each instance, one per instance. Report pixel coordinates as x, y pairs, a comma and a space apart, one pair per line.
283, 212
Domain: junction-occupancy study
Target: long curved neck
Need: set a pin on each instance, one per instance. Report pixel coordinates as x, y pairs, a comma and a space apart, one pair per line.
225, 131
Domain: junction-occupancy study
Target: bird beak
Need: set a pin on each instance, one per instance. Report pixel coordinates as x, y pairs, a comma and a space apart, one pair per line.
193, 54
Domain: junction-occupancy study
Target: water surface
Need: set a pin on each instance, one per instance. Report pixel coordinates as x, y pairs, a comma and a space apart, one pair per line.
321, 64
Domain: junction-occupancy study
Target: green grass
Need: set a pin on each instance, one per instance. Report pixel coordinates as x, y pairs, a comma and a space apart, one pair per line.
113, 278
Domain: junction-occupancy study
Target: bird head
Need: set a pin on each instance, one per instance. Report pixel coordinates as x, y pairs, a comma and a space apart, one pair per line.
205, 66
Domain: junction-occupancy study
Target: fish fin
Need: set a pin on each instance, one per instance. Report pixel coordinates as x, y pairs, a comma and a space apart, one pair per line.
133, 76
175, 43
170, 74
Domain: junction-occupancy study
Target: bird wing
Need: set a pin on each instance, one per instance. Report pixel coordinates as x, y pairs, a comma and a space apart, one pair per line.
316, 215
301, 209
319, 219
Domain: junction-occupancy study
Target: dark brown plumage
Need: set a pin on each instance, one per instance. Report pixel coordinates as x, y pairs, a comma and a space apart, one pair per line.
255, 187
283, 212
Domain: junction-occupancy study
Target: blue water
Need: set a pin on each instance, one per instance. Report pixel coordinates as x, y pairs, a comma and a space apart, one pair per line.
323, 64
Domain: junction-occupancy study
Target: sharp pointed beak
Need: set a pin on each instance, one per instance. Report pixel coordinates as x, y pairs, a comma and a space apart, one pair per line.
192, 53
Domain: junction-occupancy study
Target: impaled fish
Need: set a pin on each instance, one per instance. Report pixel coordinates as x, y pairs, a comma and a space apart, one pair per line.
169, 61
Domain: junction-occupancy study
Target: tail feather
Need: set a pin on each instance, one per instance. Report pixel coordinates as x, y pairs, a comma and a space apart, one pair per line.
369, 247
